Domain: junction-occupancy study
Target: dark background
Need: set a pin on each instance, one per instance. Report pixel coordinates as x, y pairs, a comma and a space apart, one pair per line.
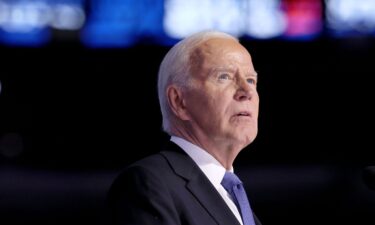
71, 118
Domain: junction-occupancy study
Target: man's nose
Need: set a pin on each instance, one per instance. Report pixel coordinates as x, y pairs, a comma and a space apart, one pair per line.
244, 90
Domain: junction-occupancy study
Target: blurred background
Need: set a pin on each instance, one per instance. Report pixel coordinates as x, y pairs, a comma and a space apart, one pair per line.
78, 99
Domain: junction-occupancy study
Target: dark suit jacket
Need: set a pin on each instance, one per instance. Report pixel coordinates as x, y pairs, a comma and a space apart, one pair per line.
167, 188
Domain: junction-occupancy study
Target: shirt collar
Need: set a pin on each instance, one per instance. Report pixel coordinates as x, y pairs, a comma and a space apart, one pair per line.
205, 161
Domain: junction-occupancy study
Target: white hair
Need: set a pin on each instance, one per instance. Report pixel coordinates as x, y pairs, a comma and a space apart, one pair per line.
175, 68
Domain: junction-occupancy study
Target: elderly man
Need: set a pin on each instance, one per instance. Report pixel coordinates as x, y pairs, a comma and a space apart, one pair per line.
209, 101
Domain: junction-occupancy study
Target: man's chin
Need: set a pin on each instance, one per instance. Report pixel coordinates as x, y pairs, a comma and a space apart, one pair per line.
245, 140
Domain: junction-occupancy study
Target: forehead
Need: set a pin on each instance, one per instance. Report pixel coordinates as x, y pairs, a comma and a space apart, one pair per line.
220, 52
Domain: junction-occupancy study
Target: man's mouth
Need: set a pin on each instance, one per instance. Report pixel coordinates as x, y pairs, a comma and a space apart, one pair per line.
244, 113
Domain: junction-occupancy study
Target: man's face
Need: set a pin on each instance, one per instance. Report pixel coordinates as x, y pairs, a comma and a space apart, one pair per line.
223, 102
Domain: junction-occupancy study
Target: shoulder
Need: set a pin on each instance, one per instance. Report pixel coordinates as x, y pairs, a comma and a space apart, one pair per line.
145, 167
165, 168
168, 161
153, 168
136, 176
148, 177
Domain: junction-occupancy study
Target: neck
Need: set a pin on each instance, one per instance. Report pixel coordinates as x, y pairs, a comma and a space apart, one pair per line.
221, 150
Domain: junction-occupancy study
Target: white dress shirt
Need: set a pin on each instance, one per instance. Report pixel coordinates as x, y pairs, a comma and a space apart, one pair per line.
211, 168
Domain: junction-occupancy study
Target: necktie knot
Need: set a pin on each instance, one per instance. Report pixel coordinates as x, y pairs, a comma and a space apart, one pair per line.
231, 181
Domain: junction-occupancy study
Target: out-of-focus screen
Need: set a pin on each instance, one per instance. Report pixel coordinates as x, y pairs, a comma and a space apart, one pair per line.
123, 23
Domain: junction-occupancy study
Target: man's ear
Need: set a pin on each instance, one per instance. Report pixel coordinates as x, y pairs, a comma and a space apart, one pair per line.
177, 102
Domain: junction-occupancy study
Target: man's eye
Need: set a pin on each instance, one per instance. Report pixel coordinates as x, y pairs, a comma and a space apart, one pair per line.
224, 76
251, 81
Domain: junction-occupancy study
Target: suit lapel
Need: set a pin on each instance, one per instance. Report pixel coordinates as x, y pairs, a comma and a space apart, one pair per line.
199, 185
207, 195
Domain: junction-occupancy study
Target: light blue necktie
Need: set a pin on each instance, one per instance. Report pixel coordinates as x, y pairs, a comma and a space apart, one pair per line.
234, 186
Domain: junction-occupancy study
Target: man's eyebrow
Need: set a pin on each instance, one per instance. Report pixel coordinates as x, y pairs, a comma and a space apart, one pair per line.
252, 74
220, 69
223, 68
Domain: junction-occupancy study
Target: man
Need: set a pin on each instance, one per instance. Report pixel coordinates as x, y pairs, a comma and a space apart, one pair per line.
208, 96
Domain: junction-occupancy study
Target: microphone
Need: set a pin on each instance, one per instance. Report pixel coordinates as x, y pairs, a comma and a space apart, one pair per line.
369, 177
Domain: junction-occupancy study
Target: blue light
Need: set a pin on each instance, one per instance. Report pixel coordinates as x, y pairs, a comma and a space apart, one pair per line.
265, 19
183, 18
107, 35
122, 23
350, 17
28, 22
33, 38
112, 23
151, 13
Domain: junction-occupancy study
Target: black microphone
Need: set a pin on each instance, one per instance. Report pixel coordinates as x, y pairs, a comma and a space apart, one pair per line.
369, 177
